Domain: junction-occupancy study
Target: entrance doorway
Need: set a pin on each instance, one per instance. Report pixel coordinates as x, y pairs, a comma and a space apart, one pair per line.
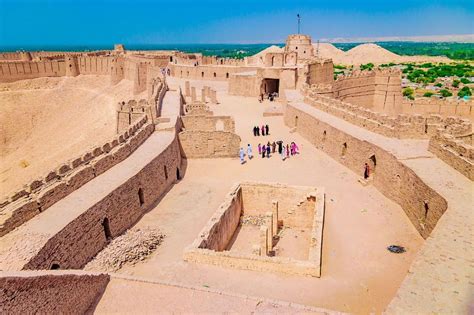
271, 86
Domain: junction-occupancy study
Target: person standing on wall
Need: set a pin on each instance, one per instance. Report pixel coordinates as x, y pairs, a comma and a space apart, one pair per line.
249, 151
267, 129
263, 130
268, 150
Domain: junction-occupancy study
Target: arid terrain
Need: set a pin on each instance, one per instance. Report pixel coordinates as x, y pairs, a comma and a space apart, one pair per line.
47, 121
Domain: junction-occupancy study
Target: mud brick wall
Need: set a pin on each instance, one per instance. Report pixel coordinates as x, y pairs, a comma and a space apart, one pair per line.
77, 243
54, 293
392, 178
209, 144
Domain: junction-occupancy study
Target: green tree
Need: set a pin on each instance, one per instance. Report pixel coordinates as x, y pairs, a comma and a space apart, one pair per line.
465, 81
456, 83
428, 94
465, 91
408, 93
439, 84
445, 93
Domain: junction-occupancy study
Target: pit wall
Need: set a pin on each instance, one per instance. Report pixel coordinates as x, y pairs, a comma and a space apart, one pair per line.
50, 292
400, 126
454, 151
379, 90
209, 137
244, 85
210, 246
293, 205
443, 107
78, 242
391, 177
43, 192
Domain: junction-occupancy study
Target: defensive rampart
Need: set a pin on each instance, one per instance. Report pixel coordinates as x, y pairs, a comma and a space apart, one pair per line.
42, 193
400, 126
396, 181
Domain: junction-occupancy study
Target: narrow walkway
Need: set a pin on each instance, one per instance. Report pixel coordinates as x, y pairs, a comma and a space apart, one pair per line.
20, 245
441, 279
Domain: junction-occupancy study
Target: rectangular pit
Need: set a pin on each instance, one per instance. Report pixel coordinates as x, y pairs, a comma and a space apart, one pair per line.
265, 227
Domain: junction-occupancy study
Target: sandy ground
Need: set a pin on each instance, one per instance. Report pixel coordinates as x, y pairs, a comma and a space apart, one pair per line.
46, 121
358, 274
366, 53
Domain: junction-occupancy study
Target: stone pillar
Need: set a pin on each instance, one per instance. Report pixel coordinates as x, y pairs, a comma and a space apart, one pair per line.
275, 217
213, 97
208, 90
186, 89
269, 225
193, 94
263, 241
203, 95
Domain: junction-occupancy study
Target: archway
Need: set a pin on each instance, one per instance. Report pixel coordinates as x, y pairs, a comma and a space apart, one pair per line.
372, 163
344, 149
178, 175
141, 197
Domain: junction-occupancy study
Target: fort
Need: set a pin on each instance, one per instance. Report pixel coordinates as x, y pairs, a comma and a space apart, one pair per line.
118, 139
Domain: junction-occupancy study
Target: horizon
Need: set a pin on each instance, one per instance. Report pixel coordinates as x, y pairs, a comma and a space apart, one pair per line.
67, 23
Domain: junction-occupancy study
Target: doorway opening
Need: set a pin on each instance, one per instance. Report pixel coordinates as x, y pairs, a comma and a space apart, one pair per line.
271, 85
106, 226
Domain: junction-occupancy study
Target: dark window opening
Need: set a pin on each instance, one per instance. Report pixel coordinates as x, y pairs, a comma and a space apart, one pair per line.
373, 163
324, 135
166, 172
178, 175
202, 74
55, 267
427, 208
141, 197
171, 59
214, 74
106, 226
426, 126
227, 75
344, 149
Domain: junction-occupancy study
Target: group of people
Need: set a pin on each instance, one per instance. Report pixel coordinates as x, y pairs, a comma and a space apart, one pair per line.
270, 96
266, 150
264, 130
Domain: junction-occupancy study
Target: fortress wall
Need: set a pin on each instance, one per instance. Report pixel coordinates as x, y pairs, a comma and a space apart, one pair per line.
208, 123
50, 292
321, 72
244, 85
209, 144
391, 177
94, 65
79, 241
400, 126
222, 73
454, 151
441, 107
10, 56
13, 71
379, 90
43, 192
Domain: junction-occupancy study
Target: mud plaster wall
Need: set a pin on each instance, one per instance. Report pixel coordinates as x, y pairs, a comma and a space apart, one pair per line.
13, 71
208, 123
257, 200
50, 294
456, 153
77, 243
207, 72
392, 178
244, 85
441, 107
377, 90
209, 144
221, 227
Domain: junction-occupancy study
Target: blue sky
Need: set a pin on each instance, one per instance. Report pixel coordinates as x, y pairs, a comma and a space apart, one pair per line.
55, 22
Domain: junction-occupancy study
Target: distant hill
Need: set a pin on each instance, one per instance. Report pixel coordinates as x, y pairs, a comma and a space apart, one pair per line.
365, 53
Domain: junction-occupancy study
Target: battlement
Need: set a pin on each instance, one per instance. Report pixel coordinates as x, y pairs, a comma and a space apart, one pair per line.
61, 181
399, 126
